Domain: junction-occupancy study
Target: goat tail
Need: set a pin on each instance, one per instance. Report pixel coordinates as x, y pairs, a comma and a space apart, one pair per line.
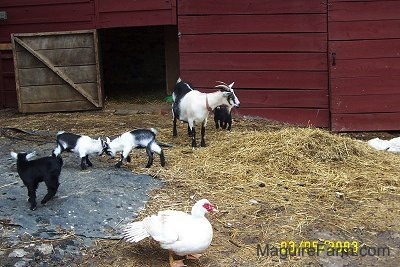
179, 80
154, 131
60, 132
134, 232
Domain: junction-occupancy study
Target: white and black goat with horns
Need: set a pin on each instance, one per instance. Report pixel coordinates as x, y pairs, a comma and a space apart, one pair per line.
79, 144
139, 138
193, 107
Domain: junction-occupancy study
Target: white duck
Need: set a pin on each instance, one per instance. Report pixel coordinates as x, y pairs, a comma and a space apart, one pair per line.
181, 233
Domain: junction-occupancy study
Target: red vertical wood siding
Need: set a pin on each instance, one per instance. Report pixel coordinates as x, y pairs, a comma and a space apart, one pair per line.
8, 94
365, 80
275, 51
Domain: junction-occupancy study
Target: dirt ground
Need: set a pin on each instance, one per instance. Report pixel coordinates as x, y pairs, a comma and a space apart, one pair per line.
70, 249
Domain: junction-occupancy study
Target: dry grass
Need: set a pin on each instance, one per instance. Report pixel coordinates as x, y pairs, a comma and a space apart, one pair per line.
271, 183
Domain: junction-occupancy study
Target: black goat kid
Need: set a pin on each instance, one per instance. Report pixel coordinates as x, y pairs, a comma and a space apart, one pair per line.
32, 172
223, 117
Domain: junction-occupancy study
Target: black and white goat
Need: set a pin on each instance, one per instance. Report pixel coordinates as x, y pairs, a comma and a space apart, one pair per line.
79, 144
193, 107
32, 172
139, 138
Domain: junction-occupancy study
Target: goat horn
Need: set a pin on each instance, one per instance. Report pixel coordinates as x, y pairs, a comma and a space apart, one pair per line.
221, 82
224, 87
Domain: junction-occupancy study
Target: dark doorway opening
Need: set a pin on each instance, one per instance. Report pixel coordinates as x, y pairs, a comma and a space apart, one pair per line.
134, 63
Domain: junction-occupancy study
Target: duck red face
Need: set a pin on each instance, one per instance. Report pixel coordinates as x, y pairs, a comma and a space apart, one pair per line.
209, 207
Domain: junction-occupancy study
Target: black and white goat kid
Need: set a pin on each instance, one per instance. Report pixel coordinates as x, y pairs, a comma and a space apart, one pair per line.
139, 138
32, 172
79, 144
223, 114
193, 107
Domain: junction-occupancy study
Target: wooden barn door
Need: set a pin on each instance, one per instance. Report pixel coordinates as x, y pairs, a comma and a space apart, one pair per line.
364, 50
57, 71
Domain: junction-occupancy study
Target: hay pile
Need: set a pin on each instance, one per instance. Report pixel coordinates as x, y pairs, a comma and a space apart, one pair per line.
280, 185
271, 183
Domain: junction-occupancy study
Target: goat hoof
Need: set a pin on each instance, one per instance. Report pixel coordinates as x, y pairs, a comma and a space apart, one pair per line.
118, 165
33, 208
83, 168
148, 166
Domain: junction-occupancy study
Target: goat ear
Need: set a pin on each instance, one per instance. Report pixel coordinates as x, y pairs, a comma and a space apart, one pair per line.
14, 155
231, 85
108, 140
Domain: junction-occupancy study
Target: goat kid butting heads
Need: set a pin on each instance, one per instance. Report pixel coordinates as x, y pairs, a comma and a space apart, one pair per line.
139, 138
80, 144
193, 106
32, 172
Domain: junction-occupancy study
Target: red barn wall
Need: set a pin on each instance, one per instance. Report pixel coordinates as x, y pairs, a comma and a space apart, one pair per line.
111, 13
365, 78
8, 94
275, 51
30, 16
26, 16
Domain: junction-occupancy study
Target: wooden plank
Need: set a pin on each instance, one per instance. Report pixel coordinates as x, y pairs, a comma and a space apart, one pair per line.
57, 106
65, 40
252, 24
365, 122
337, 1
135, 18
365, 10
132, 5
61, 13
259, 79
171, 57
54, 93
6, 46
365, 48
59, 57
357, 30
365, 85
44, 76
365, 103
366, 67
7, 31
295, 42
19, 3
206, 7
17, 79
58, 71
254, 61
98, 70
296, 116
280, 98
